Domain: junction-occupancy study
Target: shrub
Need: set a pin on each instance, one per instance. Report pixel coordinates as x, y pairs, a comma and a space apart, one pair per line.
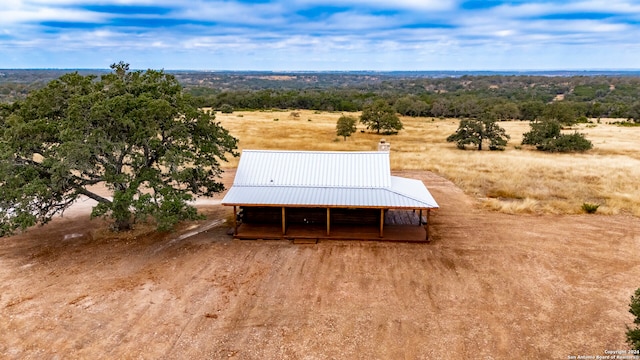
540, 132
226, 109
546, 136
582, 120
626, 124
590, 208
568, 143
633, 335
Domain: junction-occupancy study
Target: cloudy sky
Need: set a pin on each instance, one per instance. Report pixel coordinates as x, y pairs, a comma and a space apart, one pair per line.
321, 34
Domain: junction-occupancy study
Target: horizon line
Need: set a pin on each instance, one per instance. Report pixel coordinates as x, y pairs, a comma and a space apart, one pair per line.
346, 71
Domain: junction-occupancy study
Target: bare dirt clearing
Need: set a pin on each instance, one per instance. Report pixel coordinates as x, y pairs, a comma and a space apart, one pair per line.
491, 285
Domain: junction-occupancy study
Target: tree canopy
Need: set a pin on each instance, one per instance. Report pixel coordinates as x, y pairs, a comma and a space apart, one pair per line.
546, 135
134, 131
380, 116
346, 126
477, 131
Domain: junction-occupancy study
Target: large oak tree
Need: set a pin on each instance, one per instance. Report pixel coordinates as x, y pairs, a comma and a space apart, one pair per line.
478, 131
136, 132
380, 116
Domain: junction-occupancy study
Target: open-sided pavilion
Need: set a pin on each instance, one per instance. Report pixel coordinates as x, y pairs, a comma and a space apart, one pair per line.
326, 195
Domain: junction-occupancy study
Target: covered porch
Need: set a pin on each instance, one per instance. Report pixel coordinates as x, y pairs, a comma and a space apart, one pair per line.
313, 224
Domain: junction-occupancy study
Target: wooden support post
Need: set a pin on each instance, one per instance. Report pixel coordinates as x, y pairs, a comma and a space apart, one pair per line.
284, 222
381, 222
426, 227
235, 221
420, 218
328, 221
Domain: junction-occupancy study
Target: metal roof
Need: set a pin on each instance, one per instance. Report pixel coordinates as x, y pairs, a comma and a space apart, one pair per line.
323, 179
366, 169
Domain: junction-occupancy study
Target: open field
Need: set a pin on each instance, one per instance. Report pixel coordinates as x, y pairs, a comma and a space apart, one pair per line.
490, 286
531, 281
512, 181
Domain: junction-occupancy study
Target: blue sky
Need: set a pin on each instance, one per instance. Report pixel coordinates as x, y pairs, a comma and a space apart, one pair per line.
300, 35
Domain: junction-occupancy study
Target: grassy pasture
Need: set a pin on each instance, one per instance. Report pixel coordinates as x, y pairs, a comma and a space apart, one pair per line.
517, 180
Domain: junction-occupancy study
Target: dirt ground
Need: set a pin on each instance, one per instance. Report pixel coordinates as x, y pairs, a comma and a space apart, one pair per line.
490, 286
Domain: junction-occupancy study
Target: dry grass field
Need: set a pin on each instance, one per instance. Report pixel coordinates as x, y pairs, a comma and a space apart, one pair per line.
517, 180
491, 285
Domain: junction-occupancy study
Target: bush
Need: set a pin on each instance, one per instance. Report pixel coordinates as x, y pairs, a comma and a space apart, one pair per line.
546, 136
590, 208
633, 335
226, 109
568, 143
541, 131
582, 120
626, 123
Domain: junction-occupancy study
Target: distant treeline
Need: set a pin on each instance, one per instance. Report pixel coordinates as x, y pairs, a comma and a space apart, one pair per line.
508, 96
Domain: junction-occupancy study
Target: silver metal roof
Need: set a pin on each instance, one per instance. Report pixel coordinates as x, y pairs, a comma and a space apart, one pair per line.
333, 179
366, 169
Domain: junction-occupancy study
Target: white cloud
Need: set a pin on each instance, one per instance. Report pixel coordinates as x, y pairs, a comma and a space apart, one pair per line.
233, 12
49, 14
416, 5
313, 34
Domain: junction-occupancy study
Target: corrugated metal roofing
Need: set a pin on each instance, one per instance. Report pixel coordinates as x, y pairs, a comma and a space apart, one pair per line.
313, 168
322, 197
333, 179
413, 189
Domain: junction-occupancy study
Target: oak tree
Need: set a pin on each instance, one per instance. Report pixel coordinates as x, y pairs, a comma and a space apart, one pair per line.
476, 131
135, 132
380, 116
346, 126
546, 135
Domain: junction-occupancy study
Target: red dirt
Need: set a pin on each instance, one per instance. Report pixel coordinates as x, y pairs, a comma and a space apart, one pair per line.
490, 285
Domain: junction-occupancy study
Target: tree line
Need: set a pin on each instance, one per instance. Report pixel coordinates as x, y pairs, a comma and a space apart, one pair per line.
510, 98
521, 97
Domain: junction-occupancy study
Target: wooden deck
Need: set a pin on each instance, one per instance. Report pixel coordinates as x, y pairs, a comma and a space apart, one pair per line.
399, 226
404, 217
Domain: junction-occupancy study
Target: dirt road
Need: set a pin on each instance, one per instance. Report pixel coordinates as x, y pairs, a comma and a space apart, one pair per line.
490, 286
